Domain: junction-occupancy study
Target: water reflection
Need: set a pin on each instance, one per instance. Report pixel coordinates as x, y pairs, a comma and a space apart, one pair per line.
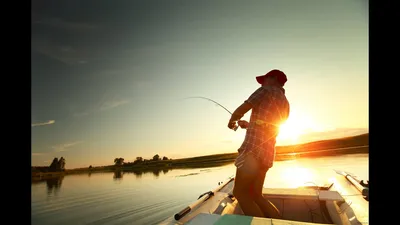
54, 185
138, 174
297, 176
155, 172
118, 174
85, 198
165, 171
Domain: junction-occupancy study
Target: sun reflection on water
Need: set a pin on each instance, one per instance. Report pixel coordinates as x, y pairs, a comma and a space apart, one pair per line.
297, 176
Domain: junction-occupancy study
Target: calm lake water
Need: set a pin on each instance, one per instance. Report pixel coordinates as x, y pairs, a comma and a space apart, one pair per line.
149, 198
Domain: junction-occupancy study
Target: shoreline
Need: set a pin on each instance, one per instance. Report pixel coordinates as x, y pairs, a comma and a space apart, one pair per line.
195, 162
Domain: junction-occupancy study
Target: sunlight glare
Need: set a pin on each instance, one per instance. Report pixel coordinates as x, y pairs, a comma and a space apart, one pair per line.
297, 176
239, 136
288, 131
294, 127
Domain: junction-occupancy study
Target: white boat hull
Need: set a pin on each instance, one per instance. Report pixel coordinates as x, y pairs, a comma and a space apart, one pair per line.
341, 204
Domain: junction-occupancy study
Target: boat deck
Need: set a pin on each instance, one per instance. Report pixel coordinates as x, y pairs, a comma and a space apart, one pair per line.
229, 219
298, 206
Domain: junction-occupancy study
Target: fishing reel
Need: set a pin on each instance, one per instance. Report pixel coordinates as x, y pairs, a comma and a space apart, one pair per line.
241, 123
236, 127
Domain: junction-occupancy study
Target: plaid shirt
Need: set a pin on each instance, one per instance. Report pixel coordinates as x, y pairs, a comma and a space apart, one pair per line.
270, 108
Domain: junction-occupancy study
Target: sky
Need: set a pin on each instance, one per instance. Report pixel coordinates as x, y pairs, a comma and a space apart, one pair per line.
111, 79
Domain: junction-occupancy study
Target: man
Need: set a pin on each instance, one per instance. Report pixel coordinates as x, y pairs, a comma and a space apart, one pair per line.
270, 109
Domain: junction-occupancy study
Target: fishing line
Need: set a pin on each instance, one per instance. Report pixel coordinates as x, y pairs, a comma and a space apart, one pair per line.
211, 101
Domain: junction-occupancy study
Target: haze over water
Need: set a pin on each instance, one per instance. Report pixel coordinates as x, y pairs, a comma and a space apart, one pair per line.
148, 198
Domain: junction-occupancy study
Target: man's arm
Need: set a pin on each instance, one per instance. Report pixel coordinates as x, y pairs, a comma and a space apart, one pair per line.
240, 111
254, 99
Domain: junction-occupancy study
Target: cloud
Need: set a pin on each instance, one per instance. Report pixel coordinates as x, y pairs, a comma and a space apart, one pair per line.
37, 153
64, 147
62, 23
46, 44
63, 53
81, 114
43, 123
106, 105
142, 85
112, 104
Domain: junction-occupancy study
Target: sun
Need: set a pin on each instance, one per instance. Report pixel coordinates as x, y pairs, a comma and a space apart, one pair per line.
289, 132
293, 128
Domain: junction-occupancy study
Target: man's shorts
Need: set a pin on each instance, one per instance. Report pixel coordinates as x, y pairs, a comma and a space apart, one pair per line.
249, 165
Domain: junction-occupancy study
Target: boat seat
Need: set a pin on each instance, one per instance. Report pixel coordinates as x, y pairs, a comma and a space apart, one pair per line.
229, 219
204, 218
296, 193
302, 193
330, 196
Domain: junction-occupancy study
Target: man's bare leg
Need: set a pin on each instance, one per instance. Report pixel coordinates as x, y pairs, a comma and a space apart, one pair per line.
244, 179
269, 210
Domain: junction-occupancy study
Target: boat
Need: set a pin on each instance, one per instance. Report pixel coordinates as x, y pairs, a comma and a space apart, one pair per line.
344, 200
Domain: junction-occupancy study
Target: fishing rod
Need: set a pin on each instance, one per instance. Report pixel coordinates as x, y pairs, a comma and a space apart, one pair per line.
236, 127
211, 101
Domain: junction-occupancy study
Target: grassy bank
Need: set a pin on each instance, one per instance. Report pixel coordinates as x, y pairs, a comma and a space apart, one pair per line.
348, 145
332, 144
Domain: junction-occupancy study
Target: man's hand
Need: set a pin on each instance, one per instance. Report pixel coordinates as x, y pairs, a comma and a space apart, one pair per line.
238, 114
243, 124
232, 124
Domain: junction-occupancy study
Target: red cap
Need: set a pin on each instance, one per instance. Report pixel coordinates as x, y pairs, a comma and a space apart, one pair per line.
281, 76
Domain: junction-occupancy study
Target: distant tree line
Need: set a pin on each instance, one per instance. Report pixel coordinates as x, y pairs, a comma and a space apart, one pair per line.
120, 161
57, 165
